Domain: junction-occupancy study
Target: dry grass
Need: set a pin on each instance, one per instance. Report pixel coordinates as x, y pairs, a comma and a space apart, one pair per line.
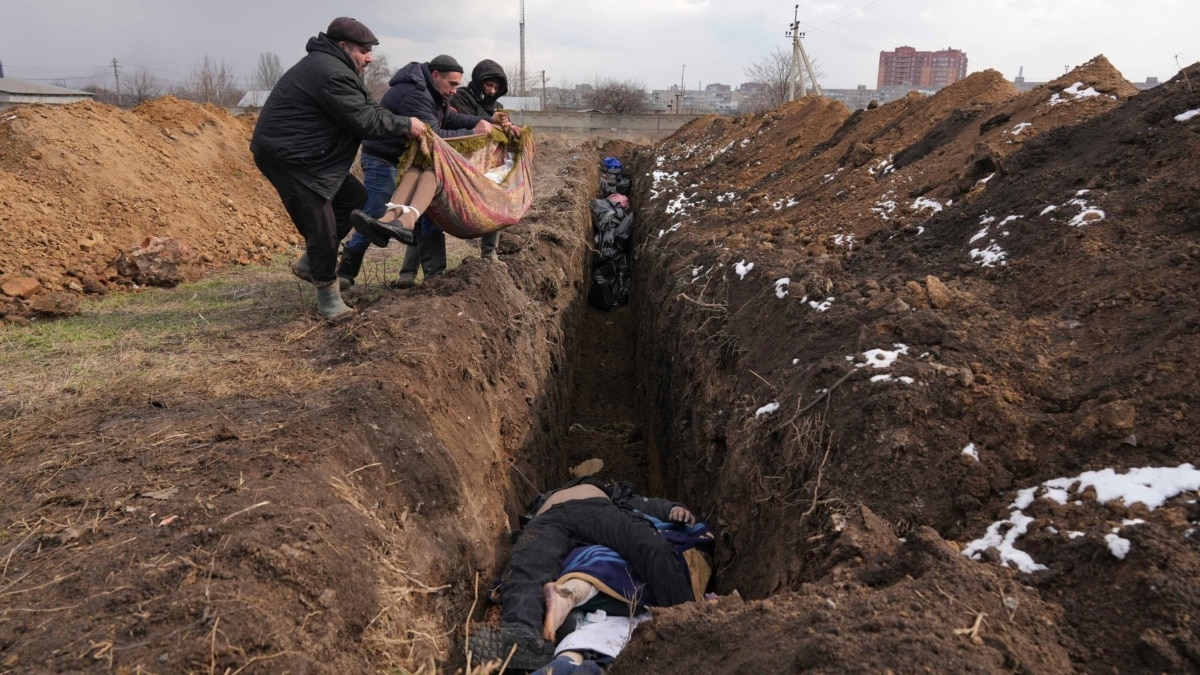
160, 347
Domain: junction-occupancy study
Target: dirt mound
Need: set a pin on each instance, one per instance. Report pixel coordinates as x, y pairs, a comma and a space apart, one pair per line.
929, 358
83, 183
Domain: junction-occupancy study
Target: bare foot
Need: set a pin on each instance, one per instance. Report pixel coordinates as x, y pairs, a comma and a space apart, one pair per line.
559, 603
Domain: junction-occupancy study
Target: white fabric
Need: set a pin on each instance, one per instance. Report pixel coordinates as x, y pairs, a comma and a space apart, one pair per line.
601, 633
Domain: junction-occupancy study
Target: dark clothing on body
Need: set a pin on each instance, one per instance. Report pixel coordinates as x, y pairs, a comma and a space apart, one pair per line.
614, 522
470, 100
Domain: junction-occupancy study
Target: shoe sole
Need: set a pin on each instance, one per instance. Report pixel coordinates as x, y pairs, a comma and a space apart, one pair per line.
379, 233
488, 644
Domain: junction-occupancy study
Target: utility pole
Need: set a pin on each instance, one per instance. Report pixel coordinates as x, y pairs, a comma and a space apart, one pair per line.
117, 77
679, 103
543, 91
522, 73
1, 70
800, 62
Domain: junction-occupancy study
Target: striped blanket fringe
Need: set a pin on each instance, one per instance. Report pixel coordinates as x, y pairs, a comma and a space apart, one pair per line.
468, 204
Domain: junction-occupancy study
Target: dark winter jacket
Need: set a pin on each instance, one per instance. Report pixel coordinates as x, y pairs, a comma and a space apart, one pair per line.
413, 94
470, 100
316, 116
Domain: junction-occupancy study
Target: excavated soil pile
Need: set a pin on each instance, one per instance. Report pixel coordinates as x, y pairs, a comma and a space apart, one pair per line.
277, 496
867, 348
86, 182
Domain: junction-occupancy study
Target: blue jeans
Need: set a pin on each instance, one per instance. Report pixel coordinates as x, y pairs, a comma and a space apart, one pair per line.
379, 177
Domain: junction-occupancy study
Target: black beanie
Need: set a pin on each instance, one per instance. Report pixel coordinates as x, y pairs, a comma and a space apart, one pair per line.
445, 64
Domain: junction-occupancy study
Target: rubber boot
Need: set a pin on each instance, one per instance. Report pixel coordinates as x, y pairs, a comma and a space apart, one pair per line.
432, 249
487, 246
329, 302
348, 268
408, 270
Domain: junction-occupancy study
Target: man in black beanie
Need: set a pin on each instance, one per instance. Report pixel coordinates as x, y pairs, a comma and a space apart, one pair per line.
305, 142
422, 90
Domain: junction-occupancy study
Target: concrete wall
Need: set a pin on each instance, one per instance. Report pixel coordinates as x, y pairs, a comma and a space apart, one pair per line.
601, 125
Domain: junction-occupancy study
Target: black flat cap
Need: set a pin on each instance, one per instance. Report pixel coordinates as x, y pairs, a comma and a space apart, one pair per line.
346, 29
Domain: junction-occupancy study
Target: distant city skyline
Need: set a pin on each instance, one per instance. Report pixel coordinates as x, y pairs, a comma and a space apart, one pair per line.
659, 42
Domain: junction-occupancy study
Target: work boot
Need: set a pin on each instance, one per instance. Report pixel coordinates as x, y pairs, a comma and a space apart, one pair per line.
345, 283
490, 643
329, 302
301, 269
380, 232
405, 280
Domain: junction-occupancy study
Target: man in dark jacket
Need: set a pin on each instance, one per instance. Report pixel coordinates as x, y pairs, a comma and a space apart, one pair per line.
584, 511
488, 83
422, 90
305, 141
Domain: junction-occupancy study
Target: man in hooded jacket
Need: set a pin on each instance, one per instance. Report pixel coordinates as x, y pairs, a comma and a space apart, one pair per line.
488, 83
422, 90
305, 141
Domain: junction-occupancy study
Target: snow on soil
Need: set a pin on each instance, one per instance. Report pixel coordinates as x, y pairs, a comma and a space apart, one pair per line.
1152, 486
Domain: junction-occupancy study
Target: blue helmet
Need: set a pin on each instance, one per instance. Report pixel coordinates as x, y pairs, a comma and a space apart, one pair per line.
612, 163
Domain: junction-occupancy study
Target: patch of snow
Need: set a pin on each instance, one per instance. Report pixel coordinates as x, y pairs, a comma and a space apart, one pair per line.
743, 268
882, 358
822, 306
1181, 117
923, 203
971, 452
1048, 209
1075, 535
1152, 486
1087, 216
991, 256
781, 287
1021, 127
846, 240
766, 409
1118, 545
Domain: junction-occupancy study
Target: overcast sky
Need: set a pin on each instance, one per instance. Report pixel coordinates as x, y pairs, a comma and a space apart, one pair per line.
654, 42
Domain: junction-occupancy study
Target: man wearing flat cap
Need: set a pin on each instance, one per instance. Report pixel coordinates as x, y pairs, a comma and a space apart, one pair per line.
422, 90
305, 141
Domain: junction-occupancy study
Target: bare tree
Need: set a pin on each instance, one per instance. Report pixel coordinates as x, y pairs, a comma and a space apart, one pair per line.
143, 86
772, 73
269, 71
515, 86
615, 96
210, 81
103, 94
563, 97
377, 76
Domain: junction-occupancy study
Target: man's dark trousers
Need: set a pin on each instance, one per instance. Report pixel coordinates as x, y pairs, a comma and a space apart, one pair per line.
322, 222
539, 554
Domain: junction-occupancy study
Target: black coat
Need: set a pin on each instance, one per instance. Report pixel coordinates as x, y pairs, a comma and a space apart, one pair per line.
413, 94
471, 100
316, 116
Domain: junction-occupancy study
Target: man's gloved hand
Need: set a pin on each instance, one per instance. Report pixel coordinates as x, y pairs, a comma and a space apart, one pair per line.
680, 514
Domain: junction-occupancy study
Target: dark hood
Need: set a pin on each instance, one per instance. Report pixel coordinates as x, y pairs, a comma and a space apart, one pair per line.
485, 69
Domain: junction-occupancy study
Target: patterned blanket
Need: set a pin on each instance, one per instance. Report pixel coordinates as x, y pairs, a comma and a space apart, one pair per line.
468, 203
